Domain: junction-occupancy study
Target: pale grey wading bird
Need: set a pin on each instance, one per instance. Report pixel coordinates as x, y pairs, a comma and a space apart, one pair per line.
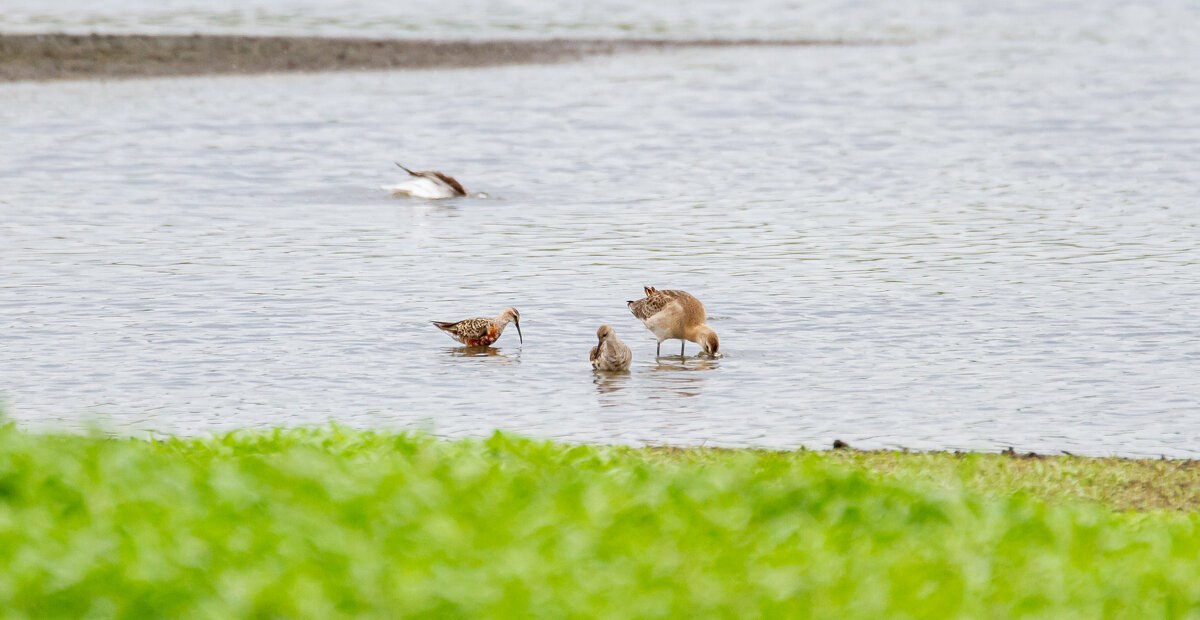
429, 184
484, 331
610, 353
675, 315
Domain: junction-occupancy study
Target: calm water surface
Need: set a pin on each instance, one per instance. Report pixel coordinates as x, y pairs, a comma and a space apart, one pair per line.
984, 238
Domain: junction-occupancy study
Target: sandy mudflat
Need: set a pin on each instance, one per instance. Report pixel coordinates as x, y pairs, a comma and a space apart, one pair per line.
65, 56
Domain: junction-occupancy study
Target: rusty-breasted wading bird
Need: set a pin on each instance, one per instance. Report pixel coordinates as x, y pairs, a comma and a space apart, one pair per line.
675, 315
429, 184
610, 353
482, 332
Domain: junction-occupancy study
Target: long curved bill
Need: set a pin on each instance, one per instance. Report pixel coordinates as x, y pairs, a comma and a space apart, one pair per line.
519, 336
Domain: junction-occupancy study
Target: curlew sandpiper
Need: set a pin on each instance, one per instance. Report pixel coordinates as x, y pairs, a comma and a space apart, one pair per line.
482, 332
675, 315
610, 353
429, 184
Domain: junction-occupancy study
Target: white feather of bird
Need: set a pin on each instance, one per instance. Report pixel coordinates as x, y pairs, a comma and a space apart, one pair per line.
422, 187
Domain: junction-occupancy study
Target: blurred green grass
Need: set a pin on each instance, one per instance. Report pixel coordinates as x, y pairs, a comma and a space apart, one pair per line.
330, 522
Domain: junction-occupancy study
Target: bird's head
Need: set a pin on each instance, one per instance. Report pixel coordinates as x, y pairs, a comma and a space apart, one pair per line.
709, 341
510, 315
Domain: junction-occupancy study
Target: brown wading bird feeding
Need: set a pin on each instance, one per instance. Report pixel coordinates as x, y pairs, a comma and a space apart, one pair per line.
675, 315
610, 353
484, 331
429, 184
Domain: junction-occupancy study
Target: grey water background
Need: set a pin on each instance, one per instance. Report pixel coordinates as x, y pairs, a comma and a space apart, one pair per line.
980, 236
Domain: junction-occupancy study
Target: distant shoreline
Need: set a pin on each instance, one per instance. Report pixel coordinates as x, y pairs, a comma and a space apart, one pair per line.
70, 56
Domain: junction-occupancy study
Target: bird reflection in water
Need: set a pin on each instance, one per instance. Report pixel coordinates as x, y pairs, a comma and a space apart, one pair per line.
668, 363
491, 353
452, 210
676, 376
608, 382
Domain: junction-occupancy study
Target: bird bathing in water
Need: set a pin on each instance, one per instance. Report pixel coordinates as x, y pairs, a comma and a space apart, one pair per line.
484, 331
610, 353
675, 315
429, 184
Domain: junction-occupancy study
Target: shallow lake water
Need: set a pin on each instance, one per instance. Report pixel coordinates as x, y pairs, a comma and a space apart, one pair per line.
982, 237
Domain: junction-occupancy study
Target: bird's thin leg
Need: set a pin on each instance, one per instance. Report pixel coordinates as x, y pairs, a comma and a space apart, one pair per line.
658, 349
682, 343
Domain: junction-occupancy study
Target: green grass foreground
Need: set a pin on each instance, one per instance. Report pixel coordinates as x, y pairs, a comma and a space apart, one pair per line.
326, 523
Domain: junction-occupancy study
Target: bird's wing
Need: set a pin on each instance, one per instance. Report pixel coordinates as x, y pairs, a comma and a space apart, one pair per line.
471, 329
624, 355
651, 304
448, 180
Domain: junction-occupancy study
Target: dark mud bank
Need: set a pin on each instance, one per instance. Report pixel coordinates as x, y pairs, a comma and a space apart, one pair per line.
67, 56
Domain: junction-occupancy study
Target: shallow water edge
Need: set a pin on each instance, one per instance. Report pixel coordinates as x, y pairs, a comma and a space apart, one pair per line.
1114, 483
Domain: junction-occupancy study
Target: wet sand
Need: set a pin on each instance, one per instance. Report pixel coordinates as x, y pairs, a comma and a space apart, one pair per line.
65, 56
